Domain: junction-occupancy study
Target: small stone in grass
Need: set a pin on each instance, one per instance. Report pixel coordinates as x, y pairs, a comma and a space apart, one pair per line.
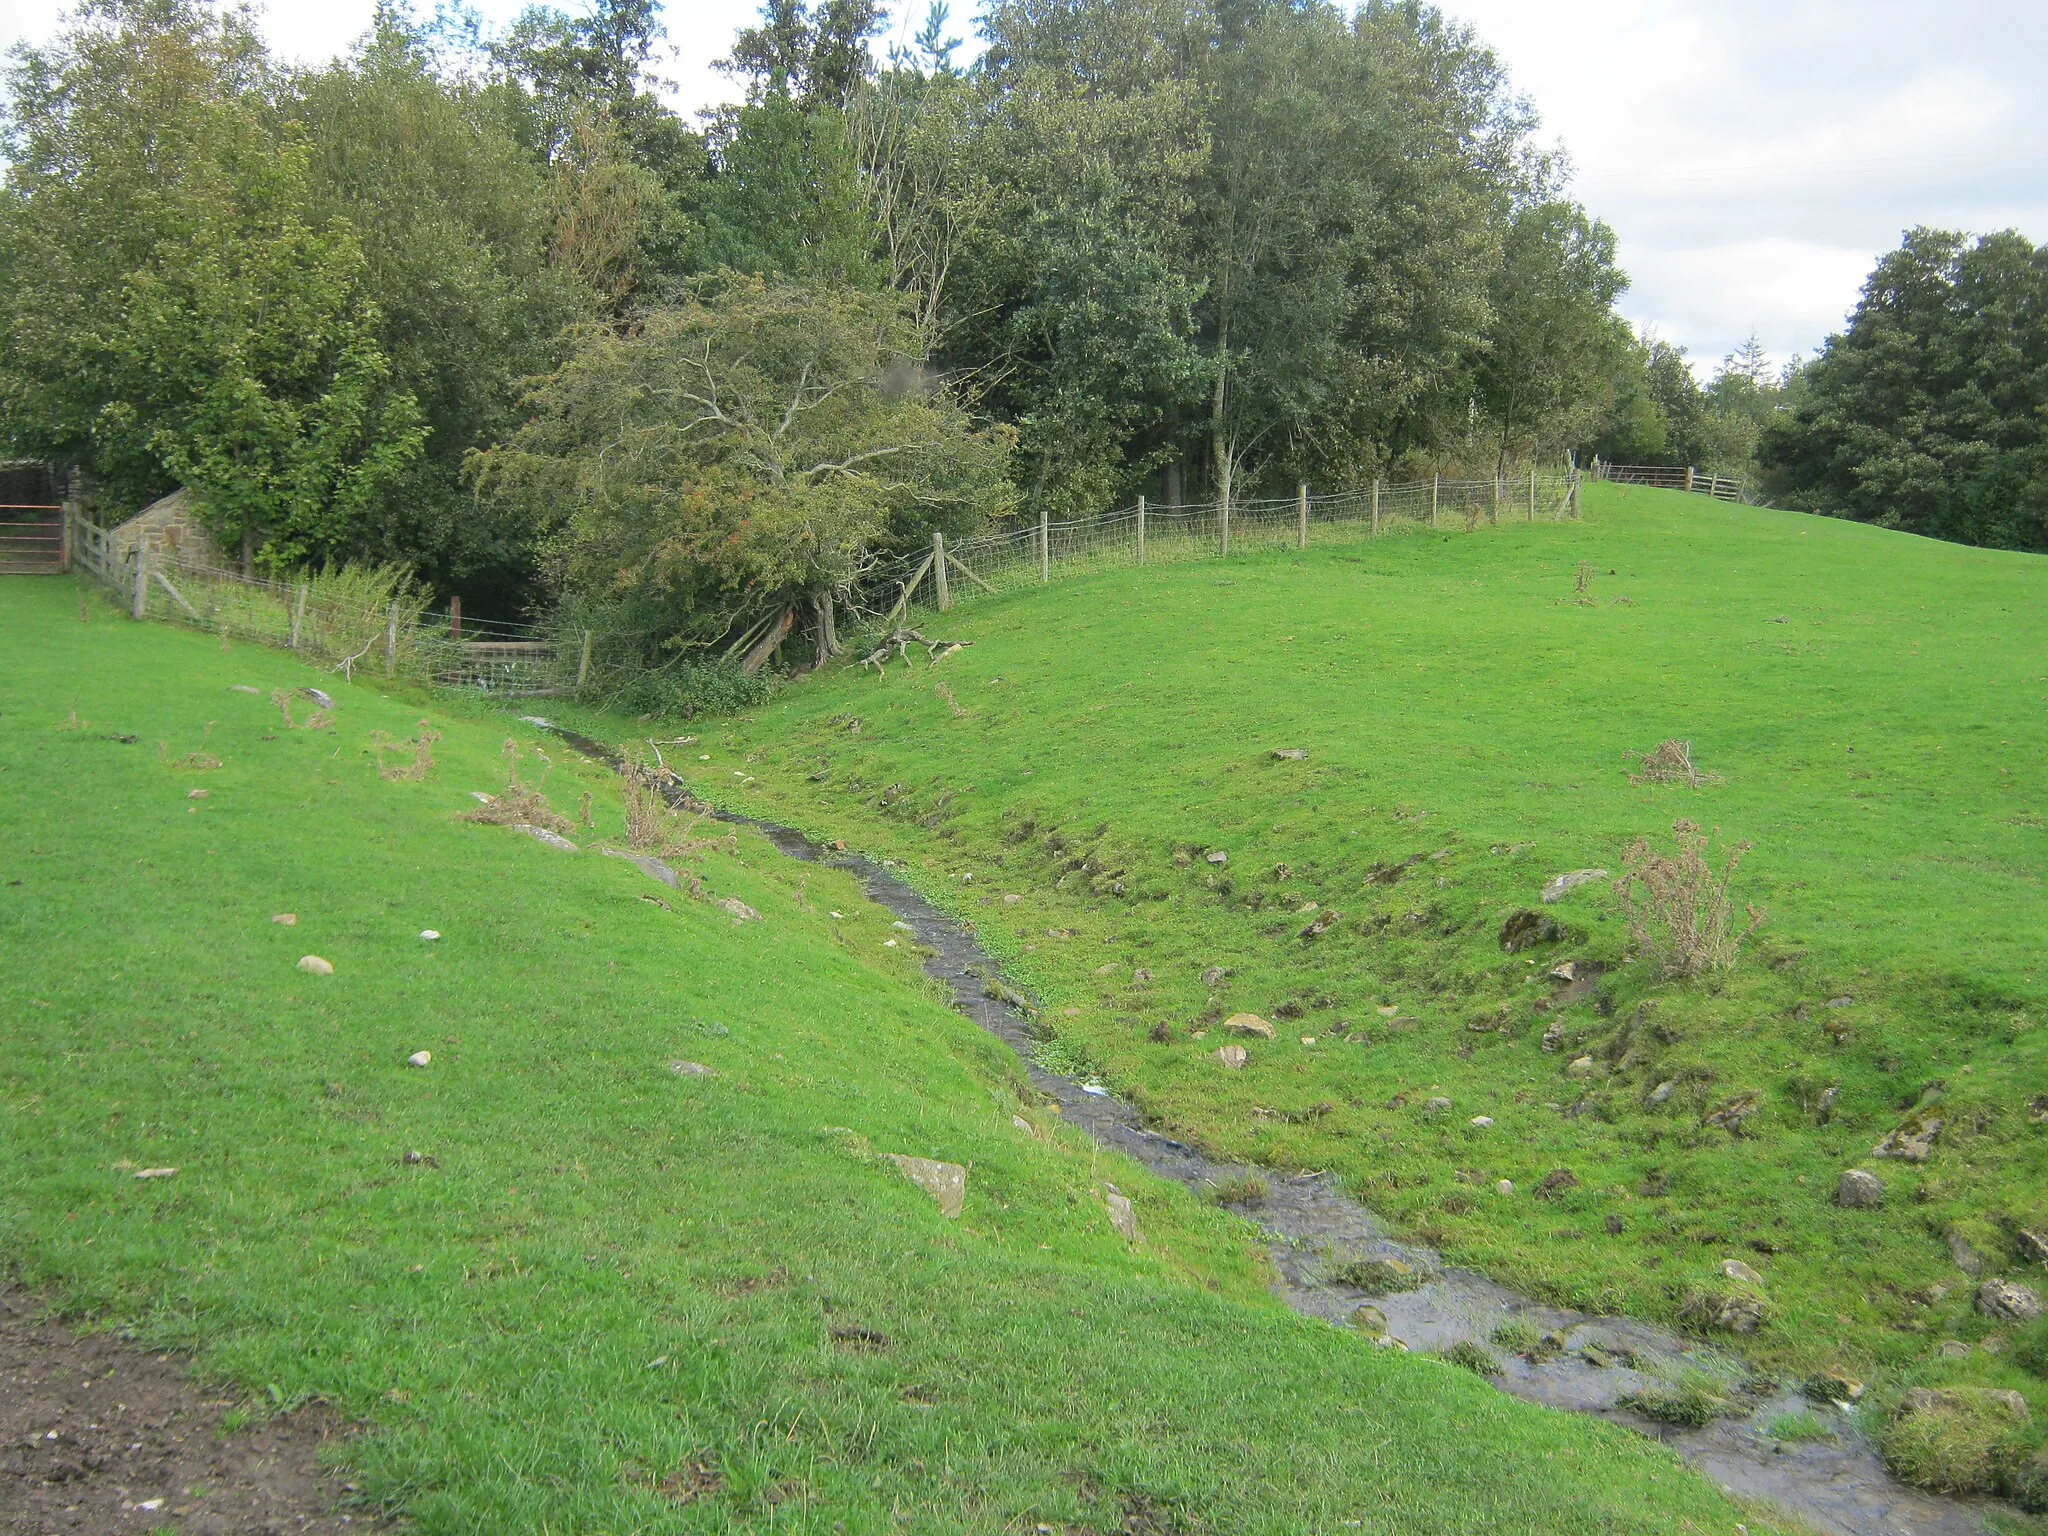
690, 1069
419, 1058
733, 907
1859, 1190
1290, 754
1248, 1024
1735, 1269
156, 1173
289, 919
946, 1183
430, 934
1436, 1106
1232, 1056
1555, 888
1218, 856
1121, 1216
196, 794
1482, 1121
1504, 1187
313, 965
1011, 901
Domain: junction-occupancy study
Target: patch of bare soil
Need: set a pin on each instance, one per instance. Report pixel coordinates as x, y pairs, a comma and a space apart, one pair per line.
99, 1436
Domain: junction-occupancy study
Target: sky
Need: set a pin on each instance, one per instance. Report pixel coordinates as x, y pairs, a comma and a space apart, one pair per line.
1754, 157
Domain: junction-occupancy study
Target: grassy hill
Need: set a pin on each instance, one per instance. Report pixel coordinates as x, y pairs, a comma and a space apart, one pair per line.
608, 1295
1871, 709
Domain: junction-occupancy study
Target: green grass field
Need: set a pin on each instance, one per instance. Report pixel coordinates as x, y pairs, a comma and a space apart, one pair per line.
611, 1298
1876, 709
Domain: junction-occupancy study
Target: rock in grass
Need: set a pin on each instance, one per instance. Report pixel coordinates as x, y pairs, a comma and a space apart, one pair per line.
554, 840
430, 934
1213, 976
1526, 929
1833, 1385
1369, 1320
652, 868
156, 1173
1482, 1121
1232, 1056
1249, 1025
287, 919
1556, 886
1217, 856
420, 1059
313, 965
1436, 1106
689, 1069
1121, 1215
1290, 754
738, 910
1912, 1140
1504, 1187
2008, 1302
1859, 1190
2033, 1244
1735, 1269
946, 1183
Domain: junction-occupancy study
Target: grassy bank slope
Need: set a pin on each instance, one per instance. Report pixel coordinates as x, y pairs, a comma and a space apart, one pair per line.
1873, 706
610, 1298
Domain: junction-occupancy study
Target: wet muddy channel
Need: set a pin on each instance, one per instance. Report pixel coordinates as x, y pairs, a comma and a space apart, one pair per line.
1312, 1226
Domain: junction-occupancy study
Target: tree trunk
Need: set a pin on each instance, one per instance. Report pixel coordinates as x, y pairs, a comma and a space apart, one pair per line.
757, 658
248, 553
1219, 443
1173, 486
827, 632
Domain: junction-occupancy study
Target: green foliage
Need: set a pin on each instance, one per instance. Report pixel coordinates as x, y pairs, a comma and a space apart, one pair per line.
178, 307
1468, 1356
2030, 1349
1927, 413
1961, 1441
743, 452
1518, 1336
684, 690
1800, 1428
1692, 1403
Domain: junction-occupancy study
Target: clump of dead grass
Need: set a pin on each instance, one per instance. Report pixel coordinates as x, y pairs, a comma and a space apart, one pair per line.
421, 748
654, 824
1679, 913
281, 701
522, 804
1671, 763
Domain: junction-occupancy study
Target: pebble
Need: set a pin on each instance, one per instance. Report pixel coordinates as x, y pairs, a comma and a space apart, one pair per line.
313, 965
430, 934
1232, 1056
288, 919
1504, 1187
1482, 1121
419, 1058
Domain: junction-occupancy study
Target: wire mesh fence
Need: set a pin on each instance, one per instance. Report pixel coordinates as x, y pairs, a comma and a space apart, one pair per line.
375, 622
1143, 534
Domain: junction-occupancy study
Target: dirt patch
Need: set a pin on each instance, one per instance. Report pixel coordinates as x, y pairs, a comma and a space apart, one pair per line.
92, 1430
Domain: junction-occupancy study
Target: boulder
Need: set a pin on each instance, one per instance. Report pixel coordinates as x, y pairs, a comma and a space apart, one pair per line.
946, 1183
1553, 1035
1859, 1190
1556, 886
2033, 1244
1232, 1056
1436, 1106
1249, 1025
2007, 1302
554, 840
1661, 1092
313, 965
1217, 856
1735, 1269
1581, 1066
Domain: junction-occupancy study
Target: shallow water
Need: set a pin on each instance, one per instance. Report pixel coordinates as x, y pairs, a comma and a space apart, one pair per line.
1839, 1487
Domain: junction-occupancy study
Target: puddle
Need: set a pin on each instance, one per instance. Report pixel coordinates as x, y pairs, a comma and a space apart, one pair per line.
1839, 1487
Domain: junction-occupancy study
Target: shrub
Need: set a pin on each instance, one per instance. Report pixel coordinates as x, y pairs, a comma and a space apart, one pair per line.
685, 690
1958, 1440
1677, 906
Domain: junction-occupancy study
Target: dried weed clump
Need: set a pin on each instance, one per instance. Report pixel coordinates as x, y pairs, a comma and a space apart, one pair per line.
652, 822
1671, 763
421, 747
520, 804
319, 720
1677, 905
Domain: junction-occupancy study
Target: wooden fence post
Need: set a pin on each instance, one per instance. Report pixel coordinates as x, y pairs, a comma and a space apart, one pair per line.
1141, 530
1435, 484
1532, 490
298, 615
391, 641
1044, 545
1375, 506
1688, 477
141, 608
64, 542
1301, 505
583, 663
455, 616
939, 570
1223, 507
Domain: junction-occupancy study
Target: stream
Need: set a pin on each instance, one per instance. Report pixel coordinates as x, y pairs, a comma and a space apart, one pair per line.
1312, 1226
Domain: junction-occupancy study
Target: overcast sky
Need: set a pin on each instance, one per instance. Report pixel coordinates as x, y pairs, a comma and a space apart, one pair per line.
1753, 156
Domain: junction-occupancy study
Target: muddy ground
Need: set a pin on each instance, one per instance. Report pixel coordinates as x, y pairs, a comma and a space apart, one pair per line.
97, 1435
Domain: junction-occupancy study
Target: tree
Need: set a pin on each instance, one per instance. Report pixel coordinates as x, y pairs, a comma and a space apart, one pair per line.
459, 224
176, 306
721, 465
1929, 412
